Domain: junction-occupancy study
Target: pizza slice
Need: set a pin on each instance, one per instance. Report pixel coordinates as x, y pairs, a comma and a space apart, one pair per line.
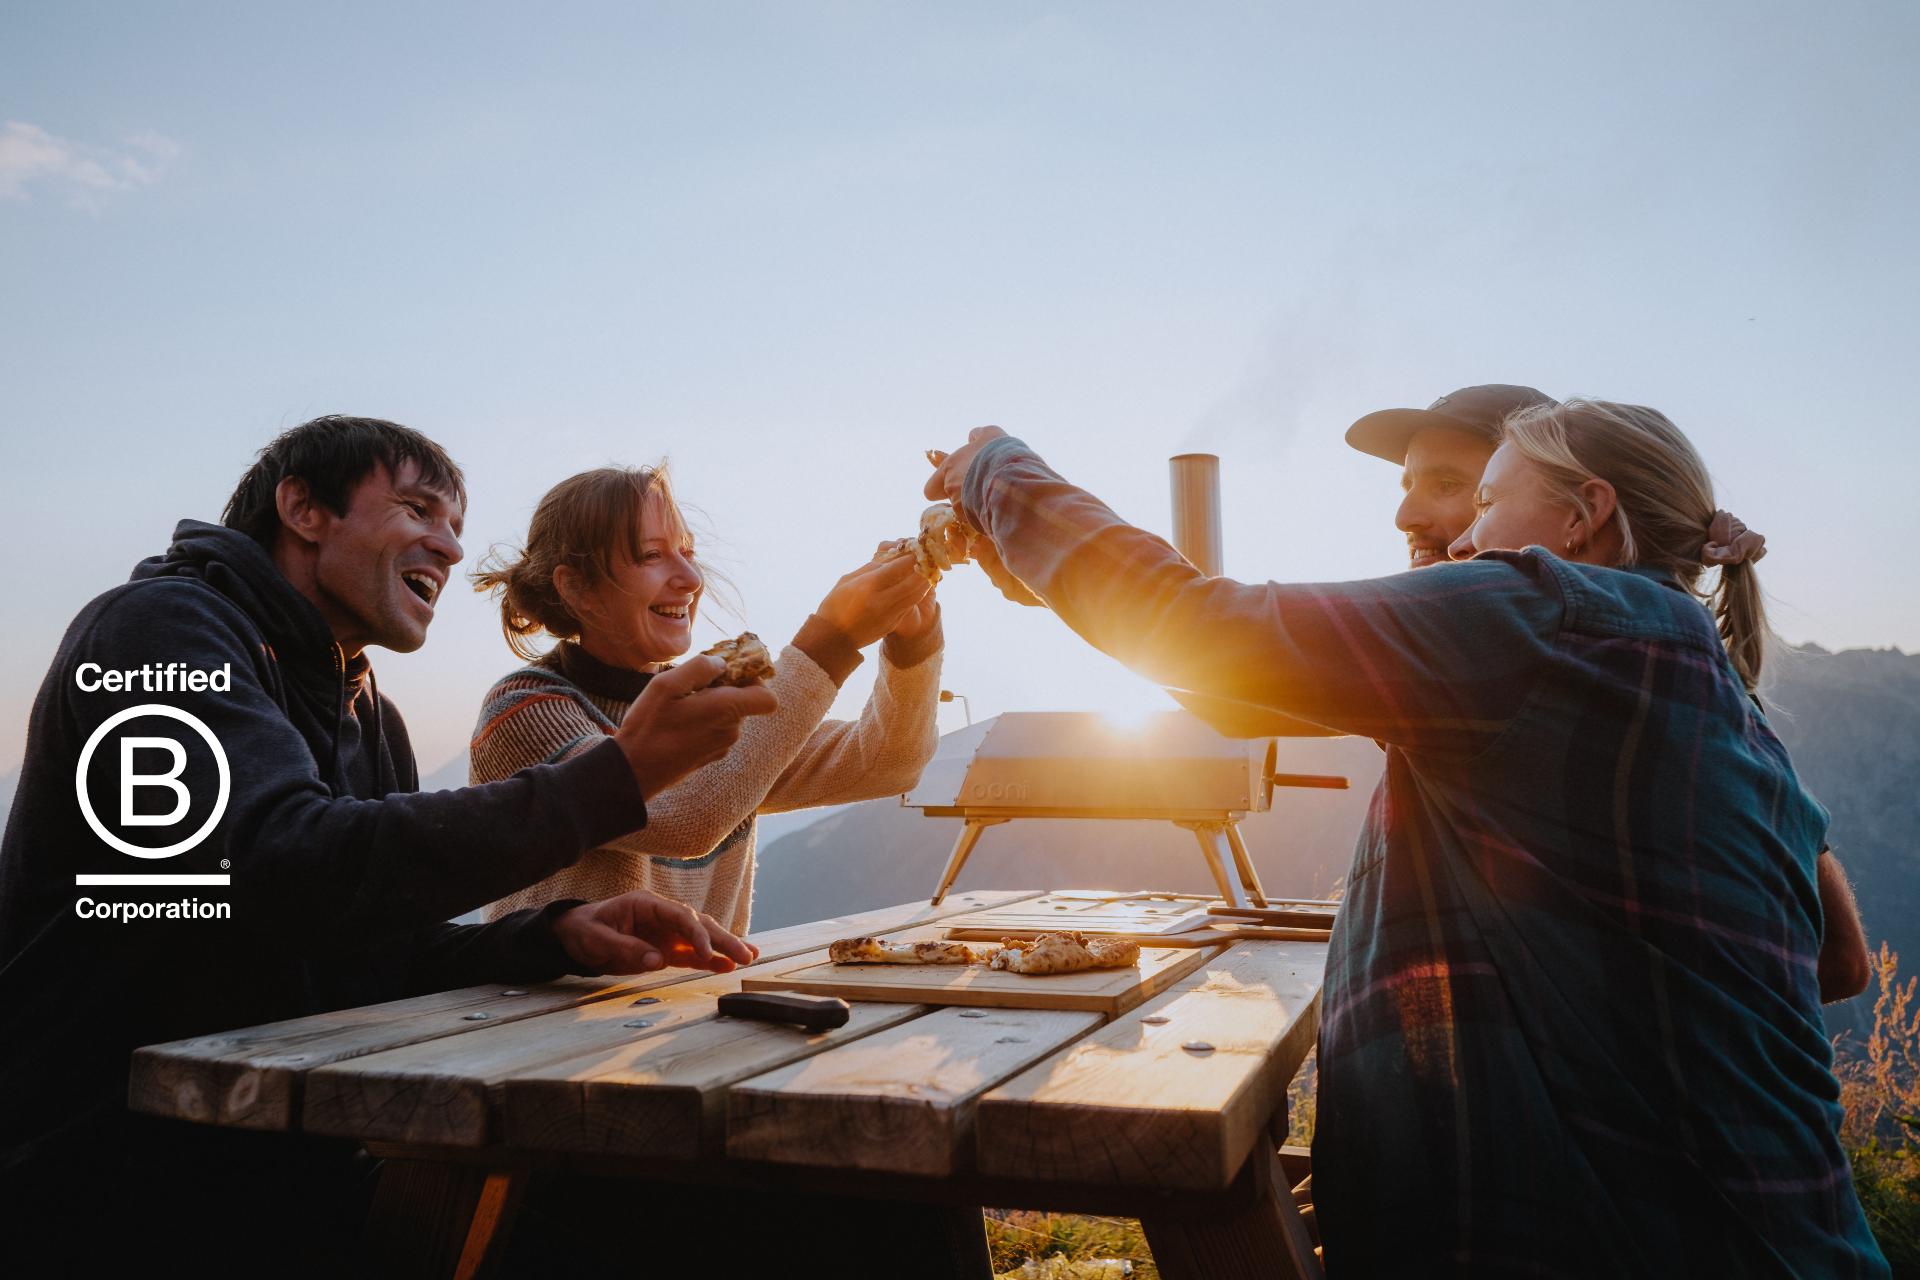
1065, 953
881, 951
748, 661
940, 544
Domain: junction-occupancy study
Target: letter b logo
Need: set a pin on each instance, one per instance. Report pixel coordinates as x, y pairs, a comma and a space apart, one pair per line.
131, 780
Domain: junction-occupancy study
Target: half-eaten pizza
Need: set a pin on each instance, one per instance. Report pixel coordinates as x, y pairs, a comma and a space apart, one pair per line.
940, 544
880, 951
748, 661
1048, 953
1065, 953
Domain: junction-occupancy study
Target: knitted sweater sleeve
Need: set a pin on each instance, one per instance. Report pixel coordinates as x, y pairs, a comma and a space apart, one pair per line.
691, 817
879, 754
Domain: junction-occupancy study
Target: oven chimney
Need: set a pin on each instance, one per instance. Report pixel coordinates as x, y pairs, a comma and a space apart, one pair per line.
1196, 509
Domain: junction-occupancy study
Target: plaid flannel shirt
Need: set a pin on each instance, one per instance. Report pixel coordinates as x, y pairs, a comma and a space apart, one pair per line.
1571, 1022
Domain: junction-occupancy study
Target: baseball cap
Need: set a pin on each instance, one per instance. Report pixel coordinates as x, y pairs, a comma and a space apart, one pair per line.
1479, 410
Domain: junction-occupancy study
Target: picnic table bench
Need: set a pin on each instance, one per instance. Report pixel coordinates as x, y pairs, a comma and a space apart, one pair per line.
1170, 1111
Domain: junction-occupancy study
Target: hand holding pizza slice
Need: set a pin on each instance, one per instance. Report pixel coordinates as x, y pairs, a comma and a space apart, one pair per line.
942, 542
747, 659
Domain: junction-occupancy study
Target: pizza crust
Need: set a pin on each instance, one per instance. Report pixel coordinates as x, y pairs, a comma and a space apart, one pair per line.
1065, 953
1046, 954
880, 951
748, 662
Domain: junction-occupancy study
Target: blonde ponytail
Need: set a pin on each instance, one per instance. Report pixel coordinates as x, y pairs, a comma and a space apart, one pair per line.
1664, 504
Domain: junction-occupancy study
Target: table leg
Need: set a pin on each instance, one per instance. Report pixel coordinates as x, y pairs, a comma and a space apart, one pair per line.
437, 1220
1264, 1238
940, 1242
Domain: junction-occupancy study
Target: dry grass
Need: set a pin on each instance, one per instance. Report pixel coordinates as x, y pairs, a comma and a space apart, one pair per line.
1880, 1089
1061, 1246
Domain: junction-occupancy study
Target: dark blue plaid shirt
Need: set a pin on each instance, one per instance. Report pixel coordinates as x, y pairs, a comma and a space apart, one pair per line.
1571, 1022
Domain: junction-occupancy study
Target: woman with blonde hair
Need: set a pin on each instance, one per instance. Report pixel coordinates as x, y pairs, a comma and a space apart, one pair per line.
1571, 1022
1653, 509
609, 572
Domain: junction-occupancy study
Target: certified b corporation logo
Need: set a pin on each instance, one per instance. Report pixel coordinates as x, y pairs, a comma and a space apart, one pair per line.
133, 780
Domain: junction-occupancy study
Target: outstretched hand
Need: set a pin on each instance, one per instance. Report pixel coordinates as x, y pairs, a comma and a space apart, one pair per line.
873, 600
678, 724
918, 619
639, 931
950, 469
949, 477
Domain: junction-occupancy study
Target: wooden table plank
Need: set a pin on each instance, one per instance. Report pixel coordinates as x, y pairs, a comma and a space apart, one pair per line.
442, 1090
448, 1091
900, 1100
663, 1097
1129, 1105
250, 1078
1105, 991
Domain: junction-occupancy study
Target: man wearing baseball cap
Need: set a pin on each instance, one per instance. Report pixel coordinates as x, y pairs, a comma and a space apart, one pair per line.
1441, 450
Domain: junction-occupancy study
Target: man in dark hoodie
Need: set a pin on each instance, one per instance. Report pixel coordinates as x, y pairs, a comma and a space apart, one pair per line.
338, 874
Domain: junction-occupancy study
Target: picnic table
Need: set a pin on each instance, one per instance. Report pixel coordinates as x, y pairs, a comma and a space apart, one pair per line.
1171, 1111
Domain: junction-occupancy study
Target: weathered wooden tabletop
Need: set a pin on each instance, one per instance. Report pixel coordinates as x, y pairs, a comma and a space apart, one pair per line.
1162, 1110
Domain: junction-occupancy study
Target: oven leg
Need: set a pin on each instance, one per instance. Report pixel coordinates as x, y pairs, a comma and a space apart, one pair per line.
1215, 851
1243, 860
969, 836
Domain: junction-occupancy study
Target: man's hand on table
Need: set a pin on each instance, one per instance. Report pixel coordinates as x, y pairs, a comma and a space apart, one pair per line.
948, 480
678, 724
640, 931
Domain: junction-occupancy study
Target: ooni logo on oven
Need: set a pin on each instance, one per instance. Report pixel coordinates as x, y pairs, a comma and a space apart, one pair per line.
1016, 792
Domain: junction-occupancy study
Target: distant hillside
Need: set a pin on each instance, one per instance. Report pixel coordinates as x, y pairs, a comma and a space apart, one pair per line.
1852, 721
448, 777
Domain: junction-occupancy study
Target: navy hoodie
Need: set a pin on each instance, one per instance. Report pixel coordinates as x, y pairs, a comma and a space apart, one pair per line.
343, 873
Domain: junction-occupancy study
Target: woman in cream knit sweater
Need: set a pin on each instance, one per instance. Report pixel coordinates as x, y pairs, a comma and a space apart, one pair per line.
609, 571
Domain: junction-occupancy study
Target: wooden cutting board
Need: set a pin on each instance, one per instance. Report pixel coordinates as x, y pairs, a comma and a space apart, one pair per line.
1091, 912
1206, 935
1108, 991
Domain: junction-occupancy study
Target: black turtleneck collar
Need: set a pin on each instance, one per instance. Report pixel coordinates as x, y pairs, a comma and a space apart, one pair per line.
601, 679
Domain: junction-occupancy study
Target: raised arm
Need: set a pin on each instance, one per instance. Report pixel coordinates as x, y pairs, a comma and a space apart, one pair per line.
882, 752
544, 718
1436, 661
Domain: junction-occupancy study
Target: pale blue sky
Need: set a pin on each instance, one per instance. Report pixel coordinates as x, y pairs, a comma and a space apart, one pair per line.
791, 246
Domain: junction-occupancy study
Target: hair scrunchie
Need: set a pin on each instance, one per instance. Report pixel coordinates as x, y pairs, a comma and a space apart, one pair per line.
1729, 541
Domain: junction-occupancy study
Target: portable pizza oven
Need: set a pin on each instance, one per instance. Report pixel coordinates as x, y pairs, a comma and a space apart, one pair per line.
1174, 767
1079, 764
